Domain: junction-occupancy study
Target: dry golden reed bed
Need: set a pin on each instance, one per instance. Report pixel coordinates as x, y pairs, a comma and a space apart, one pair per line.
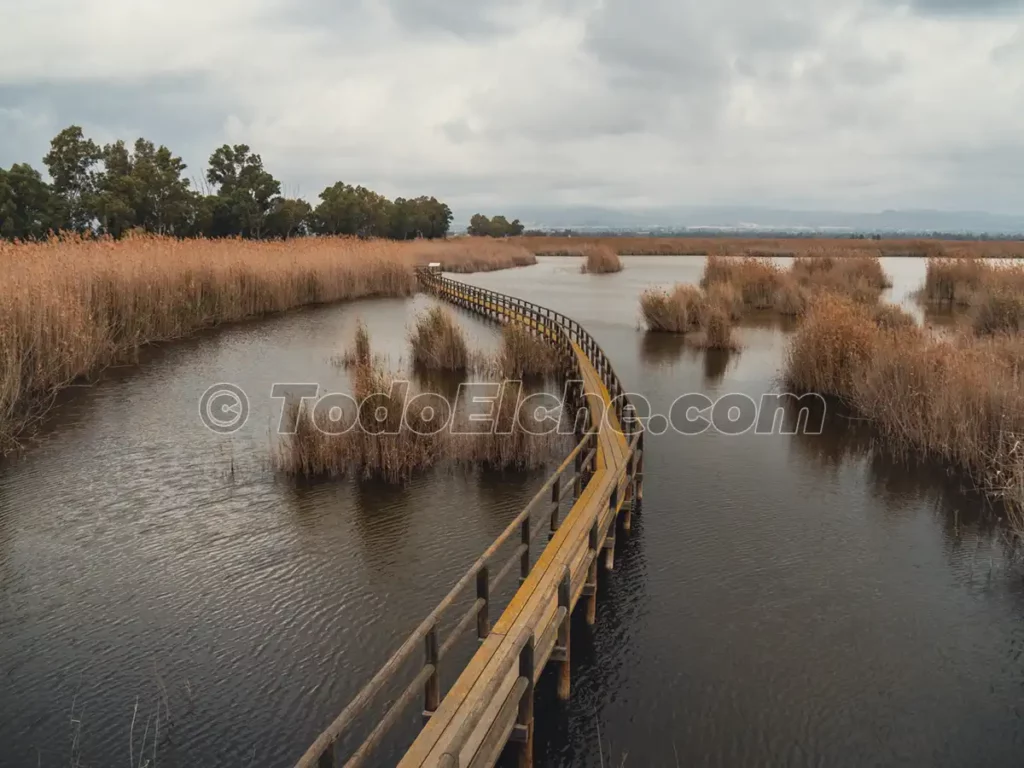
960, 398
794, 246
69, 307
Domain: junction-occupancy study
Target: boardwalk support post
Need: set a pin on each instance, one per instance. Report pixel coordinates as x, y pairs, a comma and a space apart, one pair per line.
562, 644
591, 585
432, 688
525, 718
483, 624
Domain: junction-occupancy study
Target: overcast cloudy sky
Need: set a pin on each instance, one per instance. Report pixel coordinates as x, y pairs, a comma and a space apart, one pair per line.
841, 104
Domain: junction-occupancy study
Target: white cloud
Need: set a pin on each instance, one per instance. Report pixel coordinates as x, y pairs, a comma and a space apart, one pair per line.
854, 103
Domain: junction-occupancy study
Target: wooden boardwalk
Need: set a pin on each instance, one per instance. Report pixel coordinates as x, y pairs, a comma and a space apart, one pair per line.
491, 701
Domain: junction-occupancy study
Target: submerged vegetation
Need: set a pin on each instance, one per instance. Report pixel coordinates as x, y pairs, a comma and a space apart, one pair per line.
70, 307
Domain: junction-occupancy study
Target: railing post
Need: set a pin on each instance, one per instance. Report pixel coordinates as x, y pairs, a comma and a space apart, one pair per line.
556, 501
564, 601
432, 688
525, 718
592, 576
524, 559
483, 591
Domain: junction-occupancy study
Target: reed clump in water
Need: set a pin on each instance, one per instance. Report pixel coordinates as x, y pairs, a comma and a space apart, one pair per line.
600, 260
706, 316
993, 294
519, 440
71, 306
891, 317
755, 280
392, 434
964, 281
674, 311
359, 353
959, 399
860, 277
761, 284
525, 353
999, 310
438, 341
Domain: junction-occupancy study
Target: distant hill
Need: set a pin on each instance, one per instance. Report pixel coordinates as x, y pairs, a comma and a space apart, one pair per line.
740, 219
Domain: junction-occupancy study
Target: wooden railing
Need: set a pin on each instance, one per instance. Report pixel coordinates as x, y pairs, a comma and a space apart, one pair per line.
482, 574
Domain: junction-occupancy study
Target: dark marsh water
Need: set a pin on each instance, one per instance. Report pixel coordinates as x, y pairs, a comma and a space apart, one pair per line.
783, 600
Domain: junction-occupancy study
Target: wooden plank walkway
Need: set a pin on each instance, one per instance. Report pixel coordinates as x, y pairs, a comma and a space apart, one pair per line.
491, 701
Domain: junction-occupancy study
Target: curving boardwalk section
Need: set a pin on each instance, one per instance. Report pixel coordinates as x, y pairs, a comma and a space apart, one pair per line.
491, 701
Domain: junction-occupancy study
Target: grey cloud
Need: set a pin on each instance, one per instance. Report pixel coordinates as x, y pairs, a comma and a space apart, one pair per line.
470, 18
465, 18
179, 111
964, 7
574, 101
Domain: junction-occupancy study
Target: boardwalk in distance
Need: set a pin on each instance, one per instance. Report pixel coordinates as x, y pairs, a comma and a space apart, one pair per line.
491, 701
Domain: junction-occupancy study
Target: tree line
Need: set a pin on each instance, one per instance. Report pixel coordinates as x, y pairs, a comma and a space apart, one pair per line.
113, 189
499, 226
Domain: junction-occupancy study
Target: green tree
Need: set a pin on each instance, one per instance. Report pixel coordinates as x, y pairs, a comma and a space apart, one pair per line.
246, 187
288, 218
115, 195
479, 225
71, 162
163, 195
141, 188
348, 210
499, 226
28, 207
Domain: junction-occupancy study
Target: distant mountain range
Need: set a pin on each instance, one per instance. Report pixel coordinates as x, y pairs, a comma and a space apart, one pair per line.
740, 219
